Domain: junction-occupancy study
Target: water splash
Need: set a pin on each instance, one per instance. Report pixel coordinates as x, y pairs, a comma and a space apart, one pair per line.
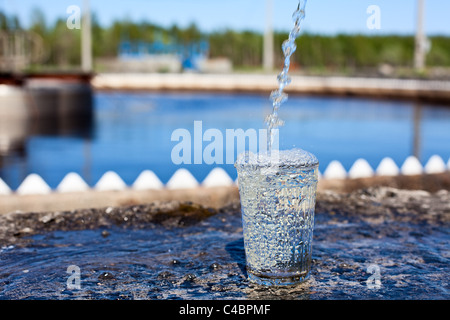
278, 96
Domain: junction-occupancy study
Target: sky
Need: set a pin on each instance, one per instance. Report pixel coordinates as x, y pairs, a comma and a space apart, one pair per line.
322, 16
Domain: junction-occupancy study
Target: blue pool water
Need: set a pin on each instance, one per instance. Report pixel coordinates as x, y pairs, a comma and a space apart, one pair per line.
132, 132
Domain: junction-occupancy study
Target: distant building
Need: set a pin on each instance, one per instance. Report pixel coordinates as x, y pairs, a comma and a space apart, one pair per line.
165, 57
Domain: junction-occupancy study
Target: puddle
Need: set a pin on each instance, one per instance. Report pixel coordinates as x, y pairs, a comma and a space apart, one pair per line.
204, 259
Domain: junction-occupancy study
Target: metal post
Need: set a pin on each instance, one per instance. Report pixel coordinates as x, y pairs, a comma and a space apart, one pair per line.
417, 141
419, 57
268, 54
86, 42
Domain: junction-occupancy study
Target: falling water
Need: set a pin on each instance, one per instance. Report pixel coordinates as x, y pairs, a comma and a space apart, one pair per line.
278, 96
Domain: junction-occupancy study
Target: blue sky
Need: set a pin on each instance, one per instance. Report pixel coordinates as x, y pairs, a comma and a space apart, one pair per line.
323, 16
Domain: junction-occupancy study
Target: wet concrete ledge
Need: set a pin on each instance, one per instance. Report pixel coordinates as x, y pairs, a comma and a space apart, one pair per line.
435, 91
214, 197
396, 199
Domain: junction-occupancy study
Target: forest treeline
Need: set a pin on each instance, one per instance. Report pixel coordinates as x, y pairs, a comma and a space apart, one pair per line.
243, 48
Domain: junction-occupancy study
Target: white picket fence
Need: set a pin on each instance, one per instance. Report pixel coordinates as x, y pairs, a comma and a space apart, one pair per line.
183, 179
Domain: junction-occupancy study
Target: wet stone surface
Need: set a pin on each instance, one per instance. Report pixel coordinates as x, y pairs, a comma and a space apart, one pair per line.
184, 251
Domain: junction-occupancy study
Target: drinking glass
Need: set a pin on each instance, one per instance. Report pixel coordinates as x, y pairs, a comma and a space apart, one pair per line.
278, 194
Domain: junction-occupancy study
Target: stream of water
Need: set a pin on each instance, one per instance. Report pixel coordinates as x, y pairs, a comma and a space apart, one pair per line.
278, 96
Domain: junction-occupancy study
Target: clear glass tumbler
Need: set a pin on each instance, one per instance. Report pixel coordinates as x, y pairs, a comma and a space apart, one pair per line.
278, 195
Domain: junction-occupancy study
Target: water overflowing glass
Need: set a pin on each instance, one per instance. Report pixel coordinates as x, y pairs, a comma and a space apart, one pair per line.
278, 96
278, 193
278, 202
